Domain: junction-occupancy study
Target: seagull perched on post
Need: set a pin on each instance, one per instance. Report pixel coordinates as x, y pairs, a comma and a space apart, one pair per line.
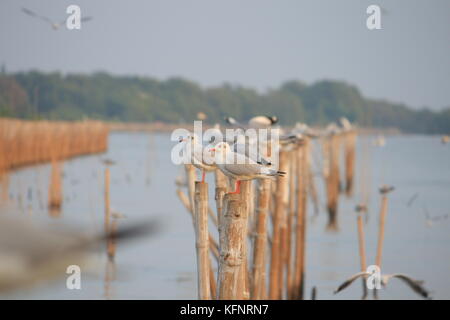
200, 157
258, 122
386, 189
241, 167
415, 285
54, 25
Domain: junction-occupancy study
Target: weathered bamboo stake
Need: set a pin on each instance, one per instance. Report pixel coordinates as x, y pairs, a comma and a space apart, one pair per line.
333, 182
362, 250
383, 213
107, 201
284, 230
213, 246
291, 221
4, 177
221, 189
55, 193
260, 242
232, 236
244, 283
212, 280
302, 184
202, 245
275, 263
190, 175
111, 242
350, 143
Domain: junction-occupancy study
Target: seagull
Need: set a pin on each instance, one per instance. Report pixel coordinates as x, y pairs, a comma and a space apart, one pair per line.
332, 129
345, 124
200, 157
108, 162
386, 189
379, 141
262, 122
54, 25
246, 146
415, 285
30, 254
241, 167
430, 220
259, 122
361, 208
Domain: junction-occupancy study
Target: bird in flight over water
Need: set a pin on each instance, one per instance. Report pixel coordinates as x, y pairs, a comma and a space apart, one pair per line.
53, 24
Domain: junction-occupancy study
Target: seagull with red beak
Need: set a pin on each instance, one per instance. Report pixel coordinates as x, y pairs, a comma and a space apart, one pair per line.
240, 167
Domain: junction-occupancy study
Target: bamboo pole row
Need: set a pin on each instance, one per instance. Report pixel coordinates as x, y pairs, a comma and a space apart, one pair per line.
29, 142
261, 244
261, 257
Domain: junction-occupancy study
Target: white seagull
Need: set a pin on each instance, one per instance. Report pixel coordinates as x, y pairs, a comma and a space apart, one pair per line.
54, 25
415, 285
241, 167
258, 122
201, 158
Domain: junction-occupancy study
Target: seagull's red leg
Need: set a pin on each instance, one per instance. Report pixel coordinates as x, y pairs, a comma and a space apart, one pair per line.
203, 176
237, 187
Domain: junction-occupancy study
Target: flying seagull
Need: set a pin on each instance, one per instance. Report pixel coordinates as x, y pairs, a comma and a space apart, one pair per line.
53, 24
30, 254
415, 285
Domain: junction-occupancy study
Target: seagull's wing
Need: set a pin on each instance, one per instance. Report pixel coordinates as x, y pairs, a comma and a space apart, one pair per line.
350, 280
35, 15
415, 285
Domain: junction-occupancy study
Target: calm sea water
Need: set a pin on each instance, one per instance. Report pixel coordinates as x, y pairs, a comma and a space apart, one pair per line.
164, 266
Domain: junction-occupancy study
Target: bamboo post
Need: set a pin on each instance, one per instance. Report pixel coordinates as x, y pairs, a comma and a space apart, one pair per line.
291, 221
383, 213
244, 282
333, 182
275, 263
190, 175
55, 193
221, 188
350, 142
213, 246
232, 236
300, 229
260, 245
201, 231
107, 201
362, 250
284, 229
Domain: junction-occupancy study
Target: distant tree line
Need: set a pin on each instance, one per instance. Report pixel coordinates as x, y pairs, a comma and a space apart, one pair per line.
37, 95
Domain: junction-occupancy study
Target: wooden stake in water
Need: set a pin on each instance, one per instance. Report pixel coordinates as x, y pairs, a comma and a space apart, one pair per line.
275, 263
232, 234
260, 244
107, 201
202, 241
350, 142
55, 193
333, 181
221, 190
384, 190
300, 229
362, 250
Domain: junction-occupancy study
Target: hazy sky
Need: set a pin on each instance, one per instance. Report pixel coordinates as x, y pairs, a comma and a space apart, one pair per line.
255, 43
